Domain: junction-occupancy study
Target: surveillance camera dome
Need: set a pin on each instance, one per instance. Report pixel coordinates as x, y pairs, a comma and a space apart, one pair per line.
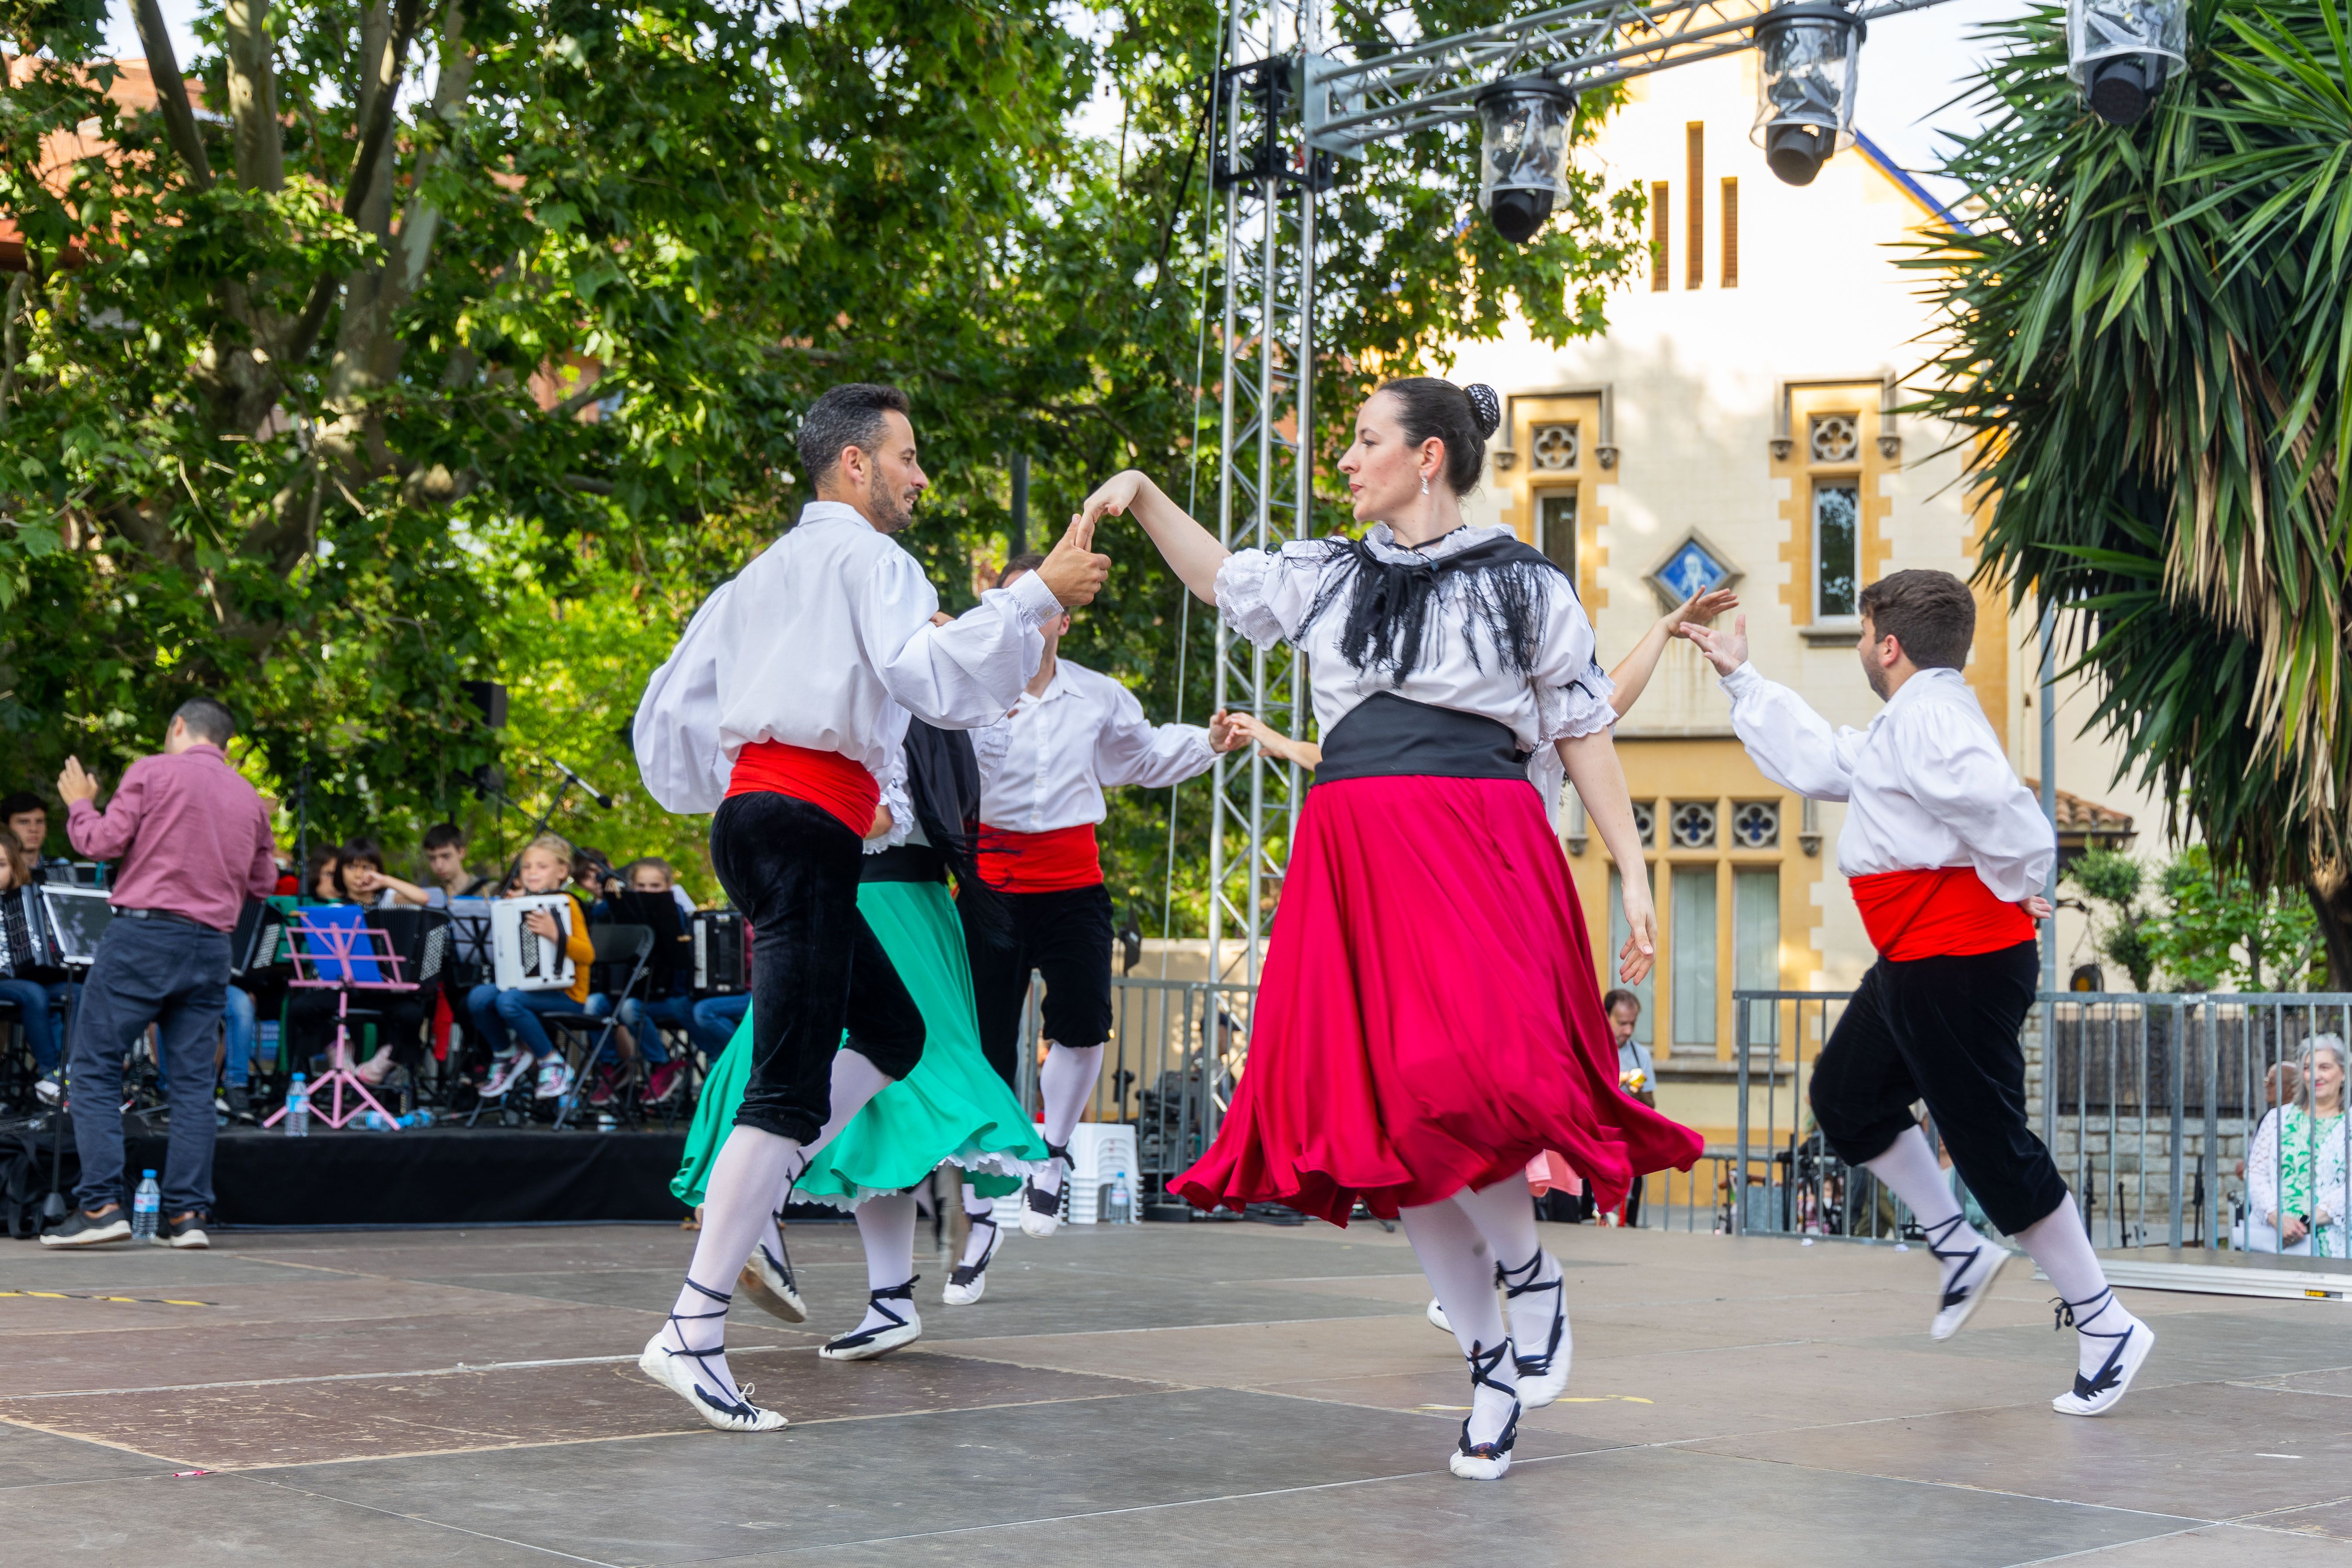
1795, 153
1519, 213
2120, 89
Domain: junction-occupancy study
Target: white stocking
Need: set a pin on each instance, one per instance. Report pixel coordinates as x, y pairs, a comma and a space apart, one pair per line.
983, 1236
1505, 1214
2057, 1243
1461, 1270
856, 1080
1066, 1083
1909, 1170
752, 1168
885, 1225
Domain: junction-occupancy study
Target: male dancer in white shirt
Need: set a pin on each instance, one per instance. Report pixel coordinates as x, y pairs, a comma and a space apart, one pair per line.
1945, 852
1073, 734
779, 710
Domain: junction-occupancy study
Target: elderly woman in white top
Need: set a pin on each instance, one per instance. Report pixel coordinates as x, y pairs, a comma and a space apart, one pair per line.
2296, 1190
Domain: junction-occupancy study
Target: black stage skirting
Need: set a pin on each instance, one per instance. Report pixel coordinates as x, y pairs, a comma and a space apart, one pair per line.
433, 1176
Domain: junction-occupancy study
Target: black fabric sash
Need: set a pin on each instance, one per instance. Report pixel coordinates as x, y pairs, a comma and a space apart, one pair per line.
1386, 735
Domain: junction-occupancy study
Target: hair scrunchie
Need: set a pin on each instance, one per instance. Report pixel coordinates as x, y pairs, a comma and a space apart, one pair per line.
1485, 406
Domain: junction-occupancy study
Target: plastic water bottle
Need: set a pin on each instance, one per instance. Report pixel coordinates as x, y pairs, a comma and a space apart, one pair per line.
1122, 1201
420, 1117
146, 1207
298, 1107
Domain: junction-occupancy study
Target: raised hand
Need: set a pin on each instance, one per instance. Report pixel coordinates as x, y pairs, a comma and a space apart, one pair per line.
1724, 651
1074, 574
1702, 607
1641, 949
76, 783
1114, 495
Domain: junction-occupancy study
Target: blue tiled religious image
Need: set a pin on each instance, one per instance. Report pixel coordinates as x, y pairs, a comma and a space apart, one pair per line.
1691, 570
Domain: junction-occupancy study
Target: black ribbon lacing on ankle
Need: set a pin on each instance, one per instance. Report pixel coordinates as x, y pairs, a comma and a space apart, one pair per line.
742, 1404
1966, 1256
1536, 1365
1484, 1364
2073, 1315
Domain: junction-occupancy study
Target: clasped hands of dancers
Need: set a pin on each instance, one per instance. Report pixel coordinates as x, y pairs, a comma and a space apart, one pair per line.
858, 749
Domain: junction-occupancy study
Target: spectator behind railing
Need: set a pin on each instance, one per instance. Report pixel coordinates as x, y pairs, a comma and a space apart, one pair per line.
40, 994
506, 1017
2296, 1195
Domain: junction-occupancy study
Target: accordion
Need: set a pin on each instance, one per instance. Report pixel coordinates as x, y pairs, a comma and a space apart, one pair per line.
27, 943
522, 959
721, 953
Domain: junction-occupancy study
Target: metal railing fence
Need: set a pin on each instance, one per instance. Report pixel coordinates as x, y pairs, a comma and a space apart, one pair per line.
2193, 1121
1169, 1069
2167, 1114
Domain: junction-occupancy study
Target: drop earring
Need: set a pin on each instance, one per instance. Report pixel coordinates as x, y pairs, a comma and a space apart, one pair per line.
1424, 484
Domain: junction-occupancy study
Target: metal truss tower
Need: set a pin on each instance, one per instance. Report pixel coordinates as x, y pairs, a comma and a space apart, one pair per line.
1288, 109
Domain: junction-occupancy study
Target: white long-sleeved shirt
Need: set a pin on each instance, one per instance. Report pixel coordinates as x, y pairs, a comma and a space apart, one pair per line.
825, 642
1928, 785
1265, 596
1065, 745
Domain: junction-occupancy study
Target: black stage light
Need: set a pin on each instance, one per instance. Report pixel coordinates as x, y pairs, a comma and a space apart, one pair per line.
1805, 82
2120, 52
1525, 125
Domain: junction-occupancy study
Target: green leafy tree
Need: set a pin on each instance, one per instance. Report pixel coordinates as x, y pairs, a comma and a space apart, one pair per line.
2122, 929
2147, 348
2208, 928
334, 398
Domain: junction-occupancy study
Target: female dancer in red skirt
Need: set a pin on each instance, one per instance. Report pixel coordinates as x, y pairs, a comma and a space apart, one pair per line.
1429, 1018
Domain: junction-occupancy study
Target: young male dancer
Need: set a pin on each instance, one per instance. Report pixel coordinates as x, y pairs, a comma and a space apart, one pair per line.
778, 710
1073, 734
1946, 853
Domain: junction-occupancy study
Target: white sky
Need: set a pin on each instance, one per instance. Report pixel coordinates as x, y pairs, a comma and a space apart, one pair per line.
1911, 65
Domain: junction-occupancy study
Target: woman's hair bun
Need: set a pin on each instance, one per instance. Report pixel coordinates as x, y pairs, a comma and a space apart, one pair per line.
1485, 406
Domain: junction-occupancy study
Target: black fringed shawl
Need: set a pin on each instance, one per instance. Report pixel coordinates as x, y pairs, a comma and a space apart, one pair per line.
1502, 583
943, 782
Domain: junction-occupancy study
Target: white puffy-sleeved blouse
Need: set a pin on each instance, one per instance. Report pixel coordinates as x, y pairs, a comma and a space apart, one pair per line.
1266, 596
1928, 785
825, 642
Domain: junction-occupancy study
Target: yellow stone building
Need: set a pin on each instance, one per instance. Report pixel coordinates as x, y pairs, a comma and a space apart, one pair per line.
1737, 421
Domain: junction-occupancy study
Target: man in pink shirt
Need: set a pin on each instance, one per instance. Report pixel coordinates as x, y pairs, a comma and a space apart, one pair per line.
190, 842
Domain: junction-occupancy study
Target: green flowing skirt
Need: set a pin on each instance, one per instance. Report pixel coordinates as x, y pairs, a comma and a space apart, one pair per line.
952, 1109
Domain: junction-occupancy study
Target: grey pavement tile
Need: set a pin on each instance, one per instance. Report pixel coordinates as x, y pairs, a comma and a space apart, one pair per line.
2220, 1546
1651, 1506
2324, 1522
2193, 1346
2193, 1449
717, 1496
32, 1458
293, 1424
227, 1522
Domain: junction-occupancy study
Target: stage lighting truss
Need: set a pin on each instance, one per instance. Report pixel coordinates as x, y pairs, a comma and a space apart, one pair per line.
1290, 110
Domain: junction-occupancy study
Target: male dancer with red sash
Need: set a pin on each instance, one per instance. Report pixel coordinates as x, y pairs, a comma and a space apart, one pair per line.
1073, 734
781, 707
1946, 852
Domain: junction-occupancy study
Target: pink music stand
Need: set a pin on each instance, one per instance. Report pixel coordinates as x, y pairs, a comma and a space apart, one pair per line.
343, 944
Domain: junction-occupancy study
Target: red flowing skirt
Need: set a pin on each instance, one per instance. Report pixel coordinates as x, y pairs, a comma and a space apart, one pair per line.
1427, 1019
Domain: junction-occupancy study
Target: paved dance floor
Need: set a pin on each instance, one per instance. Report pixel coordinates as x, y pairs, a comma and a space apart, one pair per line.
1230, 1393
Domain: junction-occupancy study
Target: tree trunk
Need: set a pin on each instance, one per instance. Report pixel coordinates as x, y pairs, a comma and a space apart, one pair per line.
2330, 888
253, 95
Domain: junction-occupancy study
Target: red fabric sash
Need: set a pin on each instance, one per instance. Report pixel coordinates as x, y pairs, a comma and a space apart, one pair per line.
1048, 862
1947, 912
826, 780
